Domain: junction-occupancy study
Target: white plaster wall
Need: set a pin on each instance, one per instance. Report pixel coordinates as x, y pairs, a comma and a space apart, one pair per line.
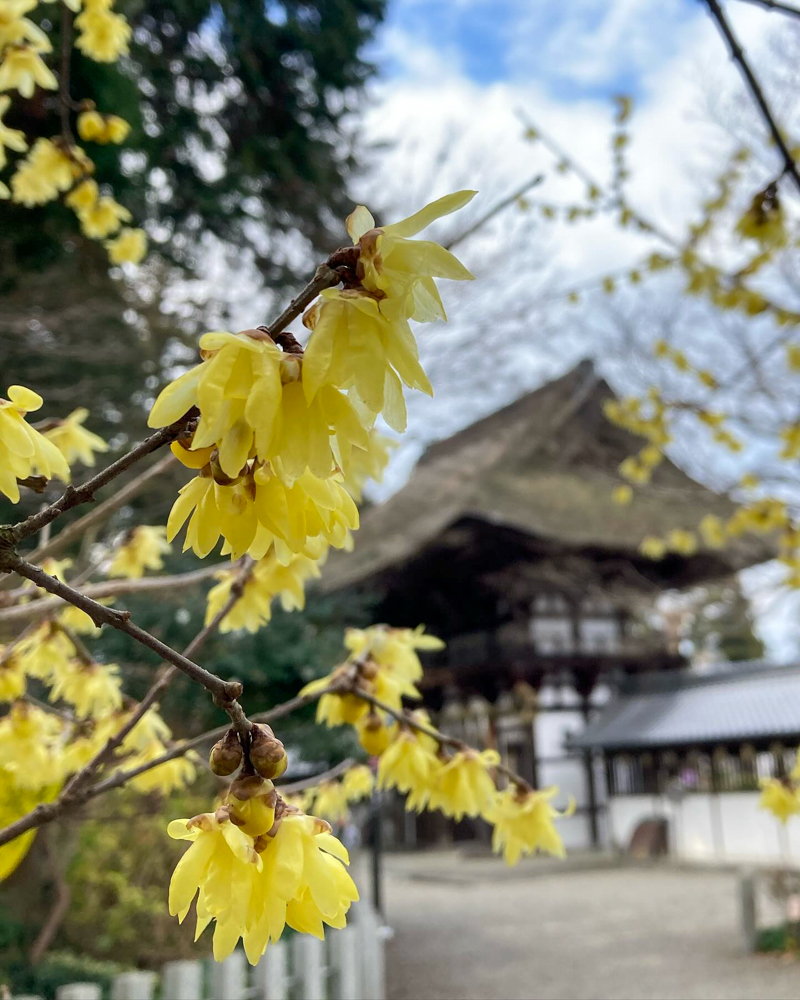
726, 828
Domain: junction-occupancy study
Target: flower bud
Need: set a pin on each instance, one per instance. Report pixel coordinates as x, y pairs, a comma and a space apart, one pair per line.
373, 735
251, 801
226, 755
267, 754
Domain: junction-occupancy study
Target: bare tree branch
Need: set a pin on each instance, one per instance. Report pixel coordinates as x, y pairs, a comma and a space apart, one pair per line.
75, 495
223, 692
43, 607
46, 812
783, 8
737, 53
101, 511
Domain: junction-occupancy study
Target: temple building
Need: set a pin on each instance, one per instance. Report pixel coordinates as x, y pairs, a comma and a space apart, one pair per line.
506, 542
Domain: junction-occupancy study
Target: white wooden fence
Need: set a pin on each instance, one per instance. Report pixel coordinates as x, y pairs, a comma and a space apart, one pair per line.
348, 965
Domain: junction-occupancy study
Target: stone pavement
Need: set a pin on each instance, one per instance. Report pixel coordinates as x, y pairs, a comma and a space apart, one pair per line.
589, 928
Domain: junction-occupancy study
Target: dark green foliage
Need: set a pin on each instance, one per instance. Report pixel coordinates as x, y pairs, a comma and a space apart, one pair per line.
59, 968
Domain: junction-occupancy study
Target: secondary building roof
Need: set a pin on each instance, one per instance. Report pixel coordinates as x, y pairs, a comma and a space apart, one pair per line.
744, 703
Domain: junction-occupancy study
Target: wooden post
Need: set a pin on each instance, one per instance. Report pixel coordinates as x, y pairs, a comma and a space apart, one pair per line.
376, 843
370, 937
183, 980
228, 977
344, 954
308, 966
271, 976
133, 986
591, 785
79, 991
747, 897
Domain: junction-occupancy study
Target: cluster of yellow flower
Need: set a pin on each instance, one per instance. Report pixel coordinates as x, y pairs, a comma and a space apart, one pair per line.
58, 166
781, 796
28, 451
143, 548
40, 749
257, 865
285, 437
24, 451
383, 663
268, 579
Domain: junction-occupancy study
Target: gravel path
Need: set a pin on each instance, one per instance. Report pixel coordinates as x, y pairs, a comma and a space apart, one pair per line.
614, 933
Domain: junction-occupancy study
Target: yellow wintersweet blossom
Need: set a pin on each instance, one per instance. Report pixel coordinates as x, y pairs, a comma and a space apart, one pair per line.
83, 195
12, 677
16, 802
409, 764
779, 797
16, 29
764, 219
93, 689
367, 463
46, 653
251, 401
30, 746
268, 579
45, 171
143, 549
335, 709
103, 34
653, 547
462, 785
252, 887
712, 531
622, 495
354, 344
682, 541
374, 734
103, 129
11, 138
103, 218
358, 783
128, 247
403, 269
73, 440
259, 510
23, 69
523, 823
23, 450
330, 802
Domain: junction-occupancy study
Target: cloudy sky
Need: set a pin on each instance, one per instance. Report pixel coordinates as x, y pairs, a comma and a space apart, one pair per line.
456, 75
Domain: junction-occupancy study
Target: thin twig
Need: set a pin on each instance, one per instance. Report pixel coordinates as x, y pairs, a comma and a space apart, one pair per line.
158, 687
102, 510
737, 53
495, 210
330, 775
783, 8
407, 719
42, 607
325, 277
64, 102
46, 812
223, 692
75, 495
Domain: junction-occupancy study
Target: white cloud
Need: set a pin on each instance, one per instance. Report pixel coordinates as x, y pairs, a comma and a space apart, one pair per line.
448, 130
